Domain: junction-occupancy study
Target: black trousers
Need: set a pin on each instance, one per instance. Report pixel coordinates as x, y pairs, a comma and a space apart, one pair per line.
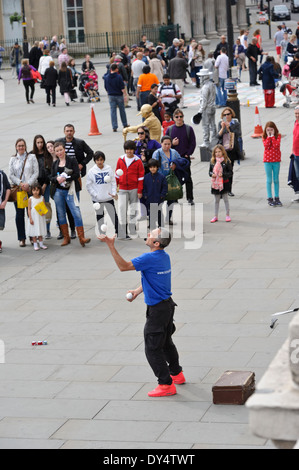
160, 351
48, 91
110, 207
29, 84
189, 183
252, 72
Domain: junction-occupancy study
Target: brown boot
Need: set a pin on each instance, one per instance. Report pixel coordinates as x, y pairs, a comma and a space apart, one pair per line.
65, 233
82, 239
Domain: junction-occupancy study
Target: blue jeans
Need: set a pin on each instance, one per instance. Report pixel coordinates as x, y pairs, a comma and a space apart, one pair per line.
117, 102
61, 197
272, 173
221, 93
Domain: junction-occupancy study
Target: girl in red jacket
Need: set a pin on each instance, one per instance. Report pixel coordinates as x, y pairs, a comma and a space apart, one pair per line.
272, 159
130, 182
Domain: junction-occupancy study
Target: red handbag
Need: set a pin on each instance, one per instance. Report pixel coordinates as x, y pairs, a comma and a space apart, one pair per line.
36, 76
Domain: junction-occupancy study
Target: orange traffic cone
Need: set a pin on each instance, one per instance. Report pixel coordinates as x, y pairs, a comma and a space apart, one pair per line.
258, 130
94, 130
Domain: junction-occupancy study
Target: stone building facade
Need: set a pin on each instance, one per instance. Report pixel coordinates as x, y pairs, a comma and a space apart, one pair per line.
75, 18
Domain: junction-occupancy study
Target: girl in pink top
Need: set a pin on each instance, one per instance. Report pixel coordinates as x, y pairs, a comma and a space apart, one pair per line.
272, 159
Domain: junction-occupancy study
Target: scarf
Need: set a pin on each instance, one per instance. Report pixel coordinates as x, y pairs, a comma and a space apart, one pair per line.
217, 183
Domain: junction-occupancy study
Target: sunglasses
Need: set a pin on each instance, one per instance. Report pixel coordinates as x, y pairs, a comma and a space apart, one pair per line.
179, 117
228, 114
141, 133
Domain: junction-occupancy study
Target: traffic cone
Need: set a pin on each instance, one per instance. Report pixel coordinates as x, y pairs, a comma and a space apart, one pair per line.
258, 130
94, 130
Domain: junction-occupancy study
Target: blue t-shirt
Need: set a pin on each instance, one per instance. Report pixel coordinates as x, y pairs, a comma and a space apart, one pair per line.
155, 270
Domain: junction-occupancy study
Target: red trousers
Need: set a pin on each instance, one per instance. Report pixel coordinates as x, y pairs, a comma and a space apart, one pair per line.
269, 98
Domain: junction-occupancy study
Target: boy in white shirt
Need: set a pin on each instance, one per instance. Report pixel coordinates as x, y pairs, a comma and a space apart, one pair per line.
101, 185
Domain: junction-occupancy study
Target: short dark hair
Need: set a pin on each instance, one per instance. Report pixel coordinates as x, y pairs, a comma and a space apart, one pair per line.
164, 238
154, 85
153, 162
114, 67
130, 145
69, 125
59, 144
146, 69
166, 75
99, 155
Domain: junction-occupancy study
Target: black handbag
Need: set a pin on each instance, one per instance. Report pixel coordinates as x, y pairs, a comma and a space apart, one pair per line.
73, 94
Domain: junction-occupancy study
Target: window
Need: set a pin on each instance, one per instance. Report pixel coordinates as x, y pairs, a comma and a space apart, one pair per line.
75, 21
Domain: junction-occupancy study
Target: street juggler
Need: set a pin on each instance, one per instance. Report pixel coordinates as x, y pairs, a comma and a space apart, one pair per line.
155, 268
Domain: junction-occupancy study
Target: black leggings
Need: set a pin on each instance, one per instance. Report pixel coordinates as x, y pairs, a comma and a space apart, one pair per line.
29, 84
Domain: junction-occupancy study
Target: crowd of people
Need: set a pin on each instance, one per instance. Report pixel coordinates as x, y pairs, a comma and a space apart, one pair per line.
164, 145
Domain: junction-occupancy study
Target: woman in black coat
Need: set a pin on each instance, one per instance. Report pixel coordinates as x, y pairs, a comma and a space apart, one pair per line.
228, 125
65, 81
51, 78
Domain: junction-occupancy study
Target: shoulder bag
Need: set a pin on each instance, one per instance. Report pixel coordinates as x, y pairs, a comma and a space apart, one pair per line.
14, 189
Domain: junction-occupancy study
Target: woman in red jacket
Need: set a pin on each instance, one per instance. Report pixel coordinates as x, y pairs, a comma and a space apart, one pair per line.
272, 159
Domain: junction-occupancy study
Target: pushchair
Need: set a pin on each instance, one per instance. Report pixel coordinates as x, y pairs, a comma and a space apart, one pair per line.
290, 88
88, 87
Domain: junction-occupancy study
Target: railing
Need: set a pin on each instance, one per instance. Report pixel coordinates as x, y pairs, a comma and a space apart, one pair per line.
104, 44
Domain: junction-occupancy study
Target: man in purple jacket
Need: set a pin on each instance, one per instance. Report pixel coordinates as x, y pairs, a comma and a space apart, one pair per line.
184, 142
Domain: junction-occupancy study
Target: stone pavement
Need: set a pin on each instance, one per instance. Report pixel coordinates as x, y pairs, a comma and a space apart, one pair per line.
88, 387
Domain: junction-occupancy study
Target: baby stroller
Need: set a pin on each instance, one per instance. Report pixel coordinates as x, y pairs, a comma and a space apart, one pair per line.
89, 87
290, 88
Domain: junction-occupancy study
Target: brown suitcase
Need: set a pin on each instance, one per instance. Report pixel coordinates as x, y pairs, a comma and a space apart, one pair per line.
234, 388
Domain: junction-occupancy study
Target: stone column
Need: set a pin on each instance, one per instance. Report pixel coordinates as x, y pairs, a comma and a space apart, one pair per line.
241, 13
210, 17
197, 17
221, 17
182, 16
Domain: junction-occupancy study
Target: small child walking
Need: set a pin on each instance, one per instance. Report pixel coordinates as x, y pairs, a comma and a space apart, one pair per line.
155, 189
37, 227
272, 159
220, 172
168, 121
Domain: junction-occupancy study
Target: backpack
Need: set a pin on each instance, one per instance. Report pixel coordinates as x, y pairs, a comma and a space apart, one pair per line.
174, 90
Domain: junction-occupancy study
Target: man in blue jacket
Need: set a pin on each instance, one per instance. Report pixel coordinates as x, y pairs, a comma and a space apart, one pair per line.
115, 88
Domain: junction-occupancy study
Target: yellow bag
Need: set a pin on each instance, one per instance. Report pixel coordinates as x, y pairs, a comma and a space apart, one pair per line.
41, 208
22, 199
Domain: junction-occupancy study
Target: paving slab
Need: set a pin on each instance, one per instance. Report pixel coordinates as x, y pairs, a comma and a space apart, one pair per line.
88, 388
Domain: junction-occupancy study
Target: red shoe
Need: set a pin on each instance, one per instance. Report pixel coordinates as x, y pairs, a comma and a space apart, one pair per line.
178, 379
163, 391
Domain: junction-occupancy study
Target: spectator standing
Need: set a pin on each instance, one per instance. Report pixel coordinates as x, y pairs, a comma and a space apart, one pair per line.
284, 44
1, 58
220, 172
268, 75
155, 102
130, 189
137, 70
87, 65
222, 64
277, 41
146, 80
252, 53
35, 54
177, 70
156, 66
184, 142
155, 189
4, 195
101, 191
23, 172
115, 88
272, 160
223, 44
170, 94
239, 56
173, 50
292, 47
44, 62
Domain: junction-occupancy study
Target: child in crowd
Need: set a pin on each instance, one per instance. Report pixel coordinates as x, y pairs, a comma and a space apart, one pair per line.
4, 195
272, 159
220, 172
168, 121
37, 227
130, 188
101, 185
155, 189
